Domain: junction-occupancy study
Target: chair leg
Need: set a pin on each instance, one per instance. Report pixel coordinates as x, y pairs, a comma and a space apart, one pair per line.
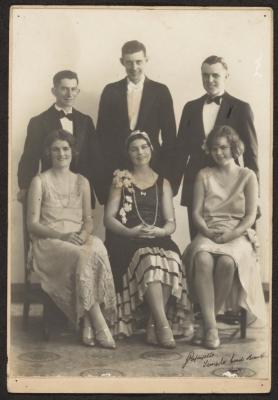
243, 323
46, 317
26, 309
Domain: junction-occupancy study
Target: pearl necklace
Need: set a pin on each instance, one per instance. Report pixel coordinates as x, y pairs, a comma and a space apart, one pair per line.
137, 209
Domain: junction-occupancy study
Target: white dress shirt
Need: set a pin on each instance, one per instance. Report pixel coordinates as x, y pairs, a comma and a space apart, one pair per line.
210, 112
134, 96
66, 123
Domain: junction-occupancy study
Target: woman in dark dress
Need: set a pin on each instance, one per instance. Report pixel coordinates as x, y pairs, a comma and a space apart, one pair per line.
146, 263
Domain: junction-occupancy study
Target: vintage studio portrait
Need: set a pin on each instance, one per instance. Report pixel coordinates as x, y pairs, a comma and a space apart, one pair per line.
140, 199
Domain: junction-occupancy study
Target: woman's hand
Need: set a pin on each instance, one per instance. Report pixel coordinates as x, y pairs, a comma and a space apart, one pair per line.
213, 234
225, 237
153, 231
73, 237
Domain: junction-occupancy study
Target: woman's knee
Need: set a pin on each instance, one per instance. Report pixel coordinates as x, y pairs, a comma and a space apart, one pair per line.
226, 264
203, 262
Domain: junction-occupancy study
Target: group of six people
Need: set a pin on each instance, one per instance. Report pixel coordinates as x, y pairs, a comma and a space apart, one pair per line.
134, 163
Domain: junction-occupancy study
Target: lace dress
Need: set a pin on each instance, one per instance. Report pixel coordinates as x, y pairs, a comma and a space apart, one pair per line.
75, 277
137, 262
224, 207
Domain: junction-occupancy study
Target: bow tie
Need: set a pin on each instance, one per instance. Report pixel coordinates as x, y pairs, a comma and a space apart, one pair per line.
62, 114
216, 99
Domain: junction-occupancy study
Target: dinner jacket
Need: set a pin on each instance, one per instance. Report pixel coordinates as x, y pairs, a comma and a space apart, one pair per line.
88, 161
156, 117
190, 158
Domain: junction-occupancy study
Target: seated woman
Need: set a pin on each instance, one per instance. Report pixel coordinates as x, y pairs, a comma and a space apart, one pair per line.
221, 261
72, 265
145, 261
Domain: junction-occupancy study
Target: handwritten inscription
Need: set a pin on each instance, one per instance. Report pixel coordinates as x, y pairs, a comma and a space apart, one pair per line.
211, 359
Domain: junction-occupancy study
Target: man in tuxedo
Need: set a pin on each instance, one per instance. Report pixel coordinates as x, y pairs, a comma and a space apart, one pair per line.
136, 103
216, 107
62, 115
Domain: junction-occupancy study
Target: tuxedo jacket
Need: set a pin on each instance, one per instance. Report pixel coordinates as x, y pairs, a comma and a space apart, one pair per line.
190, 157
88, 161
156, 117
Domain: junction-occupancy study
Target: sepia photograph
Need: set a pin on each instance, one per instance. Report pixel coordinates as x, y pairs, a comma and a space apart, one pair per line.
140, 199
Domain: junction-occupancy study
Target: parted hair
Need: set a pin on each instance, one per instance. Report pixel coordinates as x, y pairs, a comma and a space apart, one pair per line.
133, 46
59, 134
237, 145
66, 74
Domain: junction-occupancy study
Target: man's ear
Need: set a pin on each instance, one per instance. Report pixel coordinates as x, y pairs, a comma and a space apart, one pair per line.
227, 75
122, 61
53, 91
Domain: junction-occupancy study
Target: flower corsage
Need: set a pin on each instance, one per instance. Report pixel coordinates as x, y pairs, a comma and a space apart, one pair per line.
123, 180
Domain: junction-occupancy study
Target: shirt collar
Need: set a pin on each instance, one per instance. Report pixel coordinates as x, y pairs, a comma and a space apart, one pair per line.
139, 85
58, 108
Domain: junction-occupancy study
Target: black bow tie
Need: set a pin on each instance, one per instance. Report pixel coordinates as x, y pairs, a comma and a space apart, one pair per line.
216, 99
62, 114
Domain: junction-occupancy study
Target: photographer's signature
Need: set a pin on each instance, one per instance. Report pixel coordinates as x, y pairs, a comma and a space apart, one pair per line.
212, 359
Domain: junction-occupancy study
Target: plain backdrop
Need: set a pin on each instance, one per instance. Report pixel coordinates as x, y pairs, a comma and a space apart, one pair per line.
89, 40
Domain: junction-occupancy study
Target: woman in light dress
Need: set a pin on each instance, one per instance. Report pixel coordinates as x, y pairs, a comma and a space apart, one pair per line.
222, 261
148, 273
72, 265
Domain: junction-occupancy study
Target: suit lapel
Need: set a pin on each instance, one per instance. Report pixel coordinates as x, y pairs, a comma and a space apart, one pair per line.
122, 103
199, 123
224, 111
147, 100
51, 120
78, 130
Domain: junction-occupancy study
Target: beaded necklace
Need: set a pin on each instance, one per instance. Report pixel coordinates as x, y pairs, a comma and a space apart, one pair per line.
156, 208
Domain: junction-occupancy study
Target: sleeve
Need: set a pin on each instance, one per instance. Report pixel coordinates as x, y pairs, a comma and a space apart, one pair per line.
249, 137
103, 122
29, 163
95, 165
181, 149
168, 133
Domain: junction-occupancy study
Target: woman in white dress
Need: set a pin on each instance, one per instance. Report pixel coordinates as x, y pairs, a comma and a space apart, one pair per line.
221, 261
72, 265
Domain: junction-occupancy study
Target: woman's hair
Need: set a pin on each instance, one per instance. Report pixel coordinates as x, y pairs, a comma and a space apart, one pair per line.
59, 134
237, 145
134, 136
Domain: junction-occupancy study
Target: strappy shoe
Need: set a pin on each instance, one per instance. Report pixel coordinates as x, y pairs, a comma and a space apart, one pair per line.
151, 335
165, 337
199, 335
212, 340
105, 339
88, 336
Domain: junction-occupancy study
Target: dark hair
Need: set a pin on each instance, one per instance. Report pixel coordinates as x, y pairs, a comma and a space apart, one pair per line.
133, 46
214, 60
59, 134
66, 74
134, 136
237, 145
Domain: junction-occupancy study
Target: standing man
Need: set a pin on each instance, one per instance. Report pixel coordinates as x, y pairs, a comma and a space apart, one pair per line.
62, 115
136, 103
216, 107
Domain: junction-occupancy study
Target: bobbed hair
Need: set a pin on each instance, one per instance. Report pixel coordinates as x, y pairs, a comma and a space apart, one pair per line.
59, 134
237, 145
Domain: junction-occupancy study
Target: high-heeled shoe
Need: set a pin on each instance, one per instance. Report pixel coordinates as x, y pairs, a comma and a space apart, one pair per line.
151, 335
165, 337
88, 336
212, 340
199, 335
105, 339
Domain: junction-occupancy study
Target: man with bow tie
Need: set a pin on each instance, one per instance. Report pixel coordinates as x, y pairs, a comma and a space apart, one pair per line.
62, 115
136, 103
216, 107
